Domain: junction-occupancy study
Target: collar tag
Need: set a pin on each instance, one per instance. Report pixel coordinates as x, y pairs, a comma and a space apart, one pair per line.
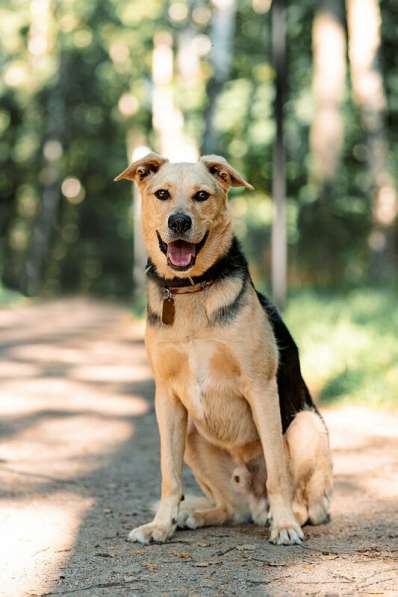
168, 307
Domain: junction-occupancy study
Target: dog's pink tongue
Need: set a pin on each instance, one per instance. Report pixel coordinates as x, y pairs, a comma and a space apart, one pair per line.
180, 253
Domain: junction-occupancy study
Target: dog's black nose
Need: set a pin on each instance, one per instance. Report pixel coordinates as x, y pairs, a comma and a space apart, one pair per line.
179, 222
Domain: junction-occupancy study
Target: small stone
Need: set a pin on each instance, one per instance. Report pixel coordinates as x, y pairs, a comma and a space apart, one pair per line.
246, 547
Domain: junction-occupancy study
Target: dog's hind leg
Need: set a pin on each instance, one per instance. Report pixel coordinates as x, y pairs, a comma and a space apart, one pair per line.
310, 465
212, 468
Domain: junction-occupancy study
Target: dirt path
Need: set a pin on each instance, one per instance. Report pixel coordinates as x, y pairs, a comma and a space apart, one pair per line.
79, 468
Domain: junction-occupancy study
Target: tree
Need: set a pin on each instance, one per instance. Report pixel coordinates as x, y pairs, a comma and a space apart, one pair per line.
329, 60
279, 233
222, 35
364, 25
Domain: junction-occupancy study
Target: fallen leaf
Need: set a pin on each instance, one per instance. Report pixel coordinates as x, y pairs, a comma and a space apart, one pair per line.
150, 565
184, 555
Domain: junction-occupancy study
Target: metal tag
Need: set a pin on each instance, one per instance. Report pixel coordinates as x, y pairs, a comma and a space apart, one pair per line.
168, 308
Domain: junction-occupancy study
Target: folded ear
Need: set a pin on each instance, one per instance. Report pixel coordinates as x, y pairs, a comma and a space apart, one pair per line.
142, 169
224, 173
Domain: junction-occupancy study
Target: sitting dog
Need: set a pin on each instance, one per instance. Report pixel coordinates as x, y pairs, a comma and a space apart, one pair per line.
230, 398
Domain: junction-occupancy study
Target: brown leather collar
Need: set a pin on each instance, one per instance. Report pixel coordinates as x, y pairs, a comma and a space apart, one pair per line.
192, 289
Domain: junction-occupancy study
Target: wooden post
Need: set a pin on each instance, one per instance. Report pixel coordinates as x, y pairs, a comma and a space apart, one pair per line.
279, 235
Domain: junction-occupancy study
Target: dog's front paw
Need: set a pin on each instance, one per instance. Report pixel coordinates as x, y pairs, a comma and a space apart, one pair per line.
286, 534
152, 533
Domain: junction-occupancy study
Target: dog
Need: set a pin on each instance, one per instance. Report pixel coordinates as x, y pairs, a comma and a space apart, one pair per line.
230, 398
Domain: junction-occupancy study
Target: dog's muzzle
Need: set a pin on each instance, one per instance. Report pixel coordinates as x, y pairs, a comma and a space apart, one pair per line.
181, 254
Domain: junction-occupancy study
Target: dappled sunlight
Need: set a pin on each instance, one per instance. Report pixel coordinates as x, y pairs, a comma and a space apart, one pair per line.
61, 388
359, 422
46, 320
383, 484
64, 446
72, 394
110, 373
48, 353
22, 398
365, 450
12, 369
37, 535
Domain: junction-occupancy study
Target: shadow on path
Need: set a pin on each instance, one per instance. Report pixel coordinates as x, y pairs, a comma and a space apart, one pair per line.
79, 467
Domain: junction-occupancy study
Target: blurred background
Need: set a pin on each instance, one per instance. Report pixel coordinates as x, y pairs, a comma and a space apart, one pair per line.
88, 86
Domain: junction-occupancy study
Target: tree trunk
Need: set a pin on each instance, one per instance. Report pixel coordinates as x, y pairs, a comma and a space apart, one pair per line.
364, 25
279, 234
222, 36
329, 56
168, 120
43, 229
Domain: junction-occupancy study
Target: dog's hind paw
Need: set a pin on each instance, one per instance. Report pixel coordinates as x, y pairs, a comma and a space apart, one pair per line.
182, 519
319, 511
286, 535
187, 520
152, 533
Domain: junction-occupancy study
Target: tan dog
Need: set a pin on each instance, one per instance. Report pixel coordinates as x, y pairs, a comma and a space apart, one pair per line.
230, 398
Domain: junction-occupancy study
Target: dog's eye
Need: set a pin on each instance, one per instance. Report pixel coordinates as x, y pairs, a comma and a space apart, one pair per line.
162, 194
201, 196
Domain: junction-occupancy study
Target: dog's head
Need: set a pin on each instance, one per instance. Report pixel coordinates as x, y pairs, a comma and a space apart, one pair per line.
185, 217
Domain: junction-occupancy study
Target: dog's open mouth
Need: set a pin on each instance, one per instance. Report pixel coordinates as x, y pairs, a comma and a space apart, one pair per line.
181, 254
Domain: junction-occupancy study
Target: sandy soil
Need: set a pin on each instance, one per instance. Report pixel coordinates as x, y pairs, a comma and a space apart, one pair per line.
79, 467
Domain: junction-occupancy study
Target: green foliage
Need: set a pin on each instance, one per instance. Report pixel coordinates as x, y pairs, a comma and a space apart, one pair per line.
9, 297
71, 109
348, 345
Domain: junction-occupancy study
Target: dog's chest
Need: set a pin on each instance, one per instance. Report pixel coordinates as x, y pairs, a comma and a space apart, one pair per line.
206, 376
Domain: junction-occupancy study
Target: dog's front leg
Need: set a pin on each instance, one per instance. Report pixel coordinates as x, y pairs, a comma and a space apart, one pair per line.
172, 421
264, 402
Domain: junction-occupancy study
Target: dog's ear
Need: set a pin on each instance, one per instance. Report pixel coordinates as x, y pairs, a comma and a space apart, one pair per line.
224, 173
142, 169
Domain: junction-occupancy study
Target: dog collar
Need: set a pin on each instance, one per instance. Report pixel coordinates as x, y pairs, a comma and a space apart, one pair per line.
168, 303
173, 286
173, 283
230, 264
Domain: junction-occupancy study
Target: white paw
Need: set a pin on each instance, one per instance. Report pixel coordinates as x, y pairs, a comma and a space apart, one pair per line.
259, 510
152, 532
319, 511
261, 519
188, 520
192, 522
288, 534
182, 519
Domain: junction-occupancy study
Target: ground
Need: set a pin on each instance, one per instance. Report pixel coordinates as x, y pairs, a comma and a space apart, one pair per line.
79, 467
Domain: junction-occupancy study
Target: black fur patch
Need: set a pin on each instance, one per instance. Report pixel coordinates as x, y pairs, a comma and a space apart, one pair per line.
294, 395
152, 318
293, 392
227, 313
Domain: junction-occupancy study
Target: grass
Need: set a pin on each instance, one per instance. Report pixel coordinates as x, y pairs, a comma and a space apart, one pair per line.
348, 342
9, 297
348, 345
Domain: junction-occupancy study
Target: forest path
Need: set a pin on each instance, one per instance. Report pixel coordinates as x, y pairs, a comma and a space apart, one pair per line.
79, 467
